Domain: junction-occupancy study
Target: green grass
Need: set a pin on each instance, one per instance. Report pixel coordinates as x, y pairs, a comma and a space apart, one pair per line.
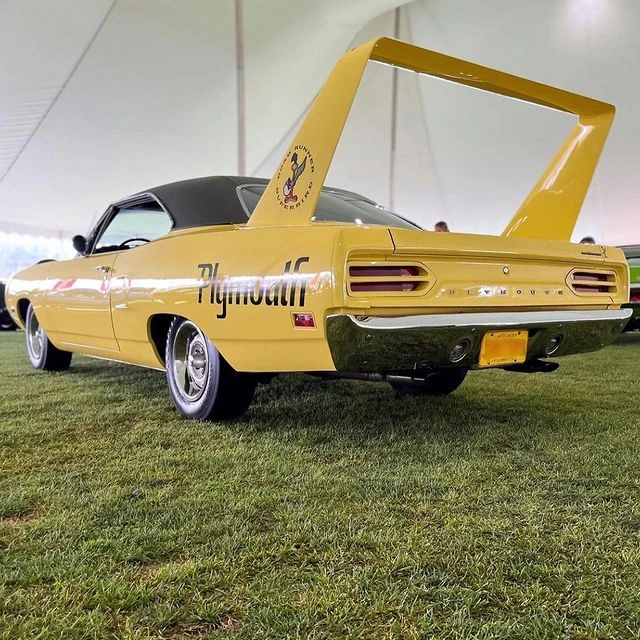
510, 509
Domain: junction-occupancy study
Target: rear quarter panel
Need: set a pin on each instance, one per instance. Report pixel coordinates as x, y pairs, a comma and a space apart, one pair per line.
232, 282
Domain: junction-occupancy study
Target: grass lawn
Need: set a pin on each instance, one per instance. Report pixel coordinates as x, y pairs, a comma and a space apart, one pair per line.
510, 509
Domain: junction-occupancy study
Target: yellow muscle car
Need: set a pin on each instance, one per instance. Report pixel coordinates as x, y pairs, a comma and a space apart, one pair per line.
224, 281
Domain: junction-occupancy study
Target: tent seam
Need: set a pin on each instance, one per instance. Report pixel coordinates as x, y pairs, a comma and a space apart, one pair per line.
55, 99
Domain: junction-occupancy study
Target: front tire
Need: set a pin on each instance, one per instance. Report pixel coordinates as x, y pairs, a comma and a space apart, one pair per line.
202, 384
41, 351
7, 325
436, 383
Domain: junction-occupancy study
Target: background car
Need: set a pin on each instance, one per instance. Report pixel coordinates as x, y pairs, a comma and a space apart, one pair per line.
6, 322
632, 253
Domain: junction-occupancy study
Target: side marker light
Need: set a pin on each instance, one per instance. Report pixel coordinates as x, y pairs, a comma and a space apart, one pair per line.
304, 320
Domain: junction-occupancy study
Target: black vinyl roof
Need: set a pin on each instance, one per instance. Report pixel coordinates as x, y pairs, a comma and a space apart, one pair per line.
204, 201
212, 200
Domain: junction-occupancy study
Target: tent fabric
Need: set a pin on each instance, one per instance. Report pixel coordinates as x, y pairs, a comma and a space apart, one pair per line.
101, 98
153, 101
29, 80
488, 163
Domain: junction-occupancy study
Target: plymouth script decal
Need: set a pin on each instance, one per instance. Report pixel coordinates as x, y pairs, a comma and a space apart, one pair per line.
256, 290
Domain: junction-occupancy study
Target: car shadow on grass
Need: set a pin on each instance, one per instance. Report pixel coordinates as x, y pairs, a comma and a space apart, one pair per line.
308, 410
361, 411
629, 339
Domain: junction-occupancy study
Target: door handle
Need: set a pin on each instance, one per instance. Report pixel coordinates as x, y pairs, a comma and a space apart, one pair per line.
103, 268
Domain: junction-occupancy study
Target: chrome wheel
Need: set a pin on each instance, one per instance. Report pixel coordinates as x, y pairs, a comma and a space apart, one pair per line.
35, 337
190, 362
202, 384
42, 353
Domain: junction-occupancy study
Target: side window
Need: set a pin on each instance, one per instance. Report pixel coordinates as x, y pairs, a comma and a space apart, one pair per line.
132, 226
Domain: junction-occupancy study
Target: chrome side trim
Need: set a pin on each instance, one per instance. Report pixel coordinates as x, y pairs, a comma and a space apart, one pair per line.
403, 344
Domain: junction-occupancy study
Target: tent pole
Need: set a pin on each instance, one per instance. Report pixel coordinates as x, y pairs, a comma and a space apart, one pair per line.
394, 113
240, 88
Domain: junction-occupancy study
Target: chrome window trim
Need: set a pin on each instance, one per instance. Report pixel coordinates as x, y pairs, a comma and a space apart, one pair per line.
111, 213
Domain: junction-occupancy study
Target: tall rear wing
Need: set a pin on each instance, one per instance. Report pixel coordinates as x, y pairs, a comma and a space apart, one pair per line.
551, 209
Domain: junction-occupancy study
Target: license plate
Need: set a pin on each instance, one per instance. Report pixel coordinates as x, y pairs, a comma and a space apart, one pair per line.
503, 347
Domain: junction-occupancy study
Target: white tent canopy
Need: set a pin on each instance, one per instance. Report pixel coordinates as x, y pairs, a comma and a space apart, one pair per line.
101, 98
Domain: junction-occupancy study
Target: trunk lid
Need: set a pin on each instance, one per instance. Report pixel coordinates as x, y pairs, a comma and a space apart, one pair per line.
447, 271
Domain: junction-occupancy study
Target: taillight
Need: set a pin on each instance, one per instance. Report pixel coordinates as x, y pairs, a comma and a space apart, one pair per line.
385, 278
590, 282
385, 271
634, 297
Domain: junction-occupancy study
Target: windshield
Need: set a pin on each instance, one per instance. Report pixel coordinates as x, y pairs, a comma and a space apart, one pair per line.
336, 206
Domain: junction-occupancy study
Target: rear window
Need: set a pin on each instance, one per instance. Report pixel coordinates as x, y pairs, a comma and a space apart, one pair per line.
336, 206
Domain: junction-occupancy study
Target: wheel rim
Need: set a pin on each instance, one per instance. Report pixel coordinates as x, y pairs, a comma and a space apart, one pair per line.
190, 362
35, 336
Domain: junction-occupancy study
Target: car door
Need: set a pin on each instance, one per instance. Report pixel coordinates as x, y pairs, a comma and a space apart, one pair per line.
79, 301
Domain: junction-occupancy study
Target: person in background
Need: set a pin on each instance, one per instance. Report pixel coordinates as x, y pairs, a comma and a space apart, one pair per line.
441, 227
587, 240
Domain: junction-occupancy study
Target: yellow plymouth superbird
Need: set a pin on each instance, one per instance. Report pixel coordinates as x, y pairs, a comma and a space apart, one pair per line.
224, 281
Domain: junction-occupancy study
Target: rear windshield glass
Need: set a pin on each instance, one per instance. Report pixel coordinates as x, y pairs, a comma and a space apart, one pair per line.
336, 206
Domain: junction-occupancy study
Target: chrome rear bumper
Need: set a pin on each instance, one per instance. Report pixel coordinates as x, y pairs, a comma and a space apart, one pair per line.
405, 343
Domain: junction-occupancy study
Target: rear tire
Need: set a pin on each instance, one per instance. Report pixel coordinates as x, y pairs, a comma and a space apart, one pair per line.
437, 383
41, 351
202, 384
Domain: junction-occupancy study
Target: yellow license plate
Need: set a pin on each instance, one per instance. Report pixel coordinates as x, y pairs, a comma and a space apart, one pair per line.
503, 347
